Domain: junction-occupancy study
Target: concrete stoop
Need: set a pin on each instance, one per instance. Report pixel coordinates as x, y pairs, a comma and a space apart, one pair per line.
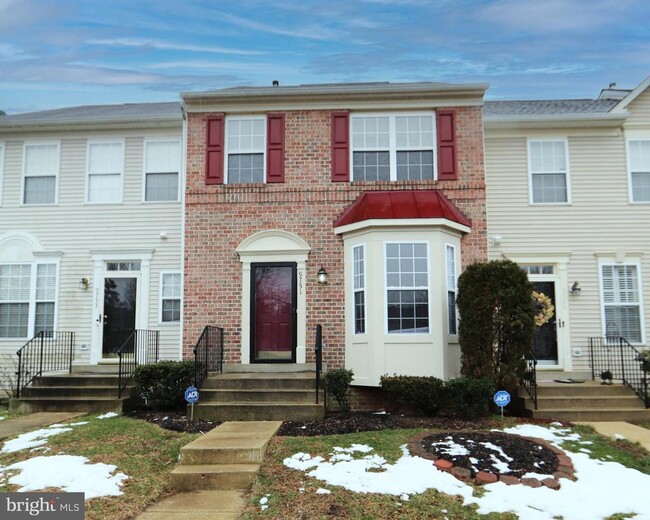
198, 505
588, 401
226, 458
260, 396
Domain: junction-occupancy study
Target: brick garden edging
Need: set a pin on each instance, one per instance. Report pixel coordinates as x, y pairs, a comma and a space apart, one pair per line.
564, 470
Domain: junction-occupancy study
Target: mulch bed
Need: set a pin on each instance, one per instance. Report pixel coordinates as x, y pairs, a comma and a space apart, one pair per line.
174, 420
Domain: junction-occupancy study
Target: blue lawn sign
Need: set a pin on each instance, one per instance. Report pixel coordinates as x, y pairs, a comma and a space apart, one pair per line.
501, 399
191, 396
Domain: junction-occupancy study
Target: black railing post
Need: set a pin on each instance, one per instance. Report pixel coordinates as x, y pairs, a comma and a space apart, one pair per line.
19, 373
40, 361
620, 343
319, 357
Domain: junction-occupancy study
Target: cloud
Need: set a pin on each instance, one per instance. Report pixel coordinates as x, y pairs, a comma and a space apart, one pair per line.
151, 43
223, 65
9, 52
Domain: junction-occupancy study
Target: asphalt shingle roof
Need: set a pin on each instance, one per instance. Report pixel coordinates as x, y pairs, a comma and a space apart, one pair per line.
549, 107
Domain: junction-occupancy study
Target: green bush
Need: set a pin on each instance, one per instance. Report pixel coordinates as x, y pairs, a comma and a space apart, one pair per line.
468, 397
337, 384
497, 321
164, 383
424, 394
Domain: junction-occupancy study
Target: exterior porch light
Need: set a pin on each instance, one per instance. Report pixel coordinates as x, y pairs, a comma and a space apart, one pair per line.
84, 283
575, 288
322, 276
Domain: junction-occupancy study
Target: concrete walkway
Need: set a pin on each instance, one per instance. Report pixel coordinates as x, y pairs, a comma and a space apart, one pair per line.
214, 472
27, 423
631, 432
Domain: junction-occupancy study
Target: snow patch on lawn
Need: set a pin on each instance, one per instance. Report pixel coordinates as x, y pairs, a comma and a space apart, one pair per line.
602, 489
107, 415
68, 472
32, 439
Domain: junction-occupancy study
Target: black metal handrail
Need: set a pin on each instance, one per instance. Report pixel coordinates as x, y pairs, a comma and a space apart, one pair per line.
318, 347
208, 354
140, 348
48, 351
529, 379
616, 355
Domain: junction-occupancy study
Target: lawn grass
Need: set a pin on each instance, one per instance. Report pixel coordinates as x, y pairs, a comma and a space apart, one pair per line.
143, 451
282, 486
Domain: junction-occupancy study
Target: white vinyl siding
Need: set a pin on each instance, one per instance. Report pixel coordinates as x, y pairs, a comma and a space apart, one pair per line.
407, 287
105, 172
393, 147
549, 172
639, 168
452, 281
40, 173
2, 166
359, 288
27, 299
621, 301
170, 297
162, 162
245, 149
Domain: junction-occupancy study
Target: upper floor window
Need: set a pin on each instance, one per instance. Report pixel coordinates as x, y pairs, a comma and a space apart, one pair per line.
549, 172
639, 165
407, 287
393, 147
162, 162
245, 147
621, 299
105, 172
27, 299
41, 171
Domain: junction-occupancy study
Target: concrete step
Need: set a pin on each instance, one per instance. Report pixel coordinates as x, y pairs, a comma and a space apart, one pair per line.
253, 381
213, 476
586, 402
76, 391
217, 504
271, 368
77, 380
106, 368
243, 395
67, 404
633, 415
262, 411
588, 388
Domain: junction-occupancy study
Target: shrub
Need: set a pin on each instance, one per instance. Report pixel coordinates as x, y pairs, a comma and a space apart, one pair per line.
411, 392
468, 397
164, 383
497, 321
337, 383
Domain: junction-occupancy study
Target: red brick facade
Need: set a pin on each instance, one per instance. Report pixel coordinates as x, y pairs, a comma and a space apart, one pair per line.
219, 217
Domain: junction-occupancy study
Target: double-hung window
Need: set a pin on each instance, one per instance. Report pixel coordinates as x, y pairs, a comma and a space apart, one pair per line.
27, 299
162, 162
407, 287
452, 280
393, 147
245, 149
639, 166
170, 298
622, 301
41, 171
105, 172
359, 288
549, 171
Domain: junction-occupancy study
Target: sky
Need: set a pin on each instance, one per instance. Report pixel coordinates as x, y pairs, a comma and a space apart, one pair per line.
74, 52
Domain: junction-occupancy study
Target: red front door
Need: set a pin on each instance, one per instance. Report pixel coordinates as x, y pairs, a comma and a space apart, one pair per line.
273, 313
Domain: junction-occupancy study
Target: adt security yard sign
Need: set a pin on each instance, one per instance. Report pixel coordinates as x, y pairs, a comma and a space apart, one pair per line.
501, 399
191, 396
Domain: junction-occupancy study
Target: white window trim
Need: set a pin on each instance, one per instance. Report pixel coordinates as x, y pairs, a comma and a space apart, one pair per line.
392, 135
386, 289
2, 168
567, 174
144, 170
354, 291
603, 320
160, 300
31, 320
226, 154
455, 288
26, 145
629, 169
90, 142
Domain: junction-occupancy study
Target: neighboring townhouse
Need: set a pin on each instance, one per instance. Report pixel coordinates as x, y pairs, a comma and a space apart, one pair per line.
377, 187
90, 227
568, 190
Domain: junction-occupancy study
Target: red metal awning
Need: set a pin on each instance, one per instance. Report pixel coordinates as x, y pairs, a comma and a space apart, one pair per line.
401, 205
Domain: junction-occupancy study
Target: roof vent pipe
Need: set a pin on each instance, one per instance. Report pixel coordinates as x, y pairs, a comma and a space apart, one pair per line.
276, 83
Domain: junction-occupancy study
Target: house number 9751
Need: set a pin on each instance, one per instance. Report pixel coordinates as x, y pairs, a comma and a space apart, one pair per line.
300, 282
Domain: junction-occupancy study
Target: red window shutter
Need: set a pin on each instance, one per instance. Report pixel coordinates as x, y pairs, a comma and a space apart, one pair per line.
446, 145
214, 158
340, 147
275, 148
